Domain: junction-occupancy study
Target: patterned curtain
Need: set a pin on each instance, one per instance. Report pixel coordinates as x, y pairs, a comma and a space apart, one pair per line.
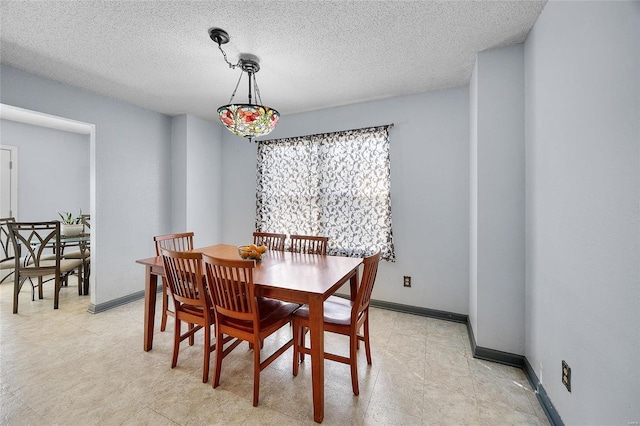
333, 184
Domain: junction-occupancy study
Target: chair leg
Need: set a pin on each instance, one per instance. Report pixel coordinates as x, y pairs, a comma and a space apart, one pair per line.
192, 336
16, 291
40, 294
207, 353
256, 372
353, 361
56, 293
80, 281
86, 271
165, 305
176, 343
367, 345
296, 346
219, 346
303, 332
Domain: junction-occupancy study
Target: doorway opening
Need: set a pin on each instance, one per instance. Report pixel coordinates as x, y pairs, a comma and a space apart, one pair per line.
9, 112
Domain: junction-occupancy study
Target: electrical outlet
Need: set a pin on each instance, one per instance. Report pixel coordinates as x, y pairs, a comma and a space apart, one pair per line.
566, 375
407, 281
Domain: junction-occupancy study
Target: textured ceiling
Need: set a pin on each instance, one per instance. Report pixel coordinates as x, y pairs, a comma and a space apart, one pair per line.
313, 54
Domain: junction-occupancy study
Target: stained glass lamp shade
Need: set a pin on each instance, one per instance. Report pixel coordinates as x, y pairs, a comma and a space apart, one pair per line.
248, 120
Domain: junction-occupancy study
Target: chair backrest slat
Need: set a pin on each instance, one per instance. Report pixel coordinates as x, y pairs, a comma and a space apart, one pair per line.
30, 240
369, 272
309, 244
185, 277
5, 238
271, 240
232, 288
174, 242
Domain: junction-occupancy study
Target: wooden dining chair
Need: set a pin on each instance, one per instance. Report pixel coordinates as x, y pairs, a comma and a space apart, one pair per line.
174, 242
31, 241
344, 317
240, 314
7, 261
271, 240
185, 277
309, 244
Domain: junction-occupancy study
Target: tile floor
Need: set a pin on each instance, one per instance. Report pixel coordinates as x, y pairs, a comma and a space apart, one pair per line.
70, 367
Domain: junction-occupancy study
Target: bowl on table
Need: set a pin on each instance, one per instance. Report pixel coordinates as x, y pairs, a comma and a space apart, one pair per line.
251, 251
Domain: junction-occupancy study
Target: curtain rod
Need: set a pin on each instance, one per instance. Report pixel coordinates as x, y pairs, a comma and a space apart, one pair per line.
388, 126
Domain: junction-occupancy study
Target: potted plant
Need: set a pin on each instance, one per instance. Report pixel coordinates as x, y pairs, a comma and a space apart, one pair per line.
70, 226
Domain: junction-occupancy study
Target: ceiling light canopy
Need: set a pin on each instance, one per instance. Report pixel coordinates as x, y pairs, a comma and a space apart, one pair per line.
248, 120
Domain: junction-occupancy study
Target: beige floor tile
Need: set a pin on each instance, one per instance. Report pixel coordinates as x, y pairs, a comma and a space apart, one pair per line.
496, 414
449, 407
501, 391
403, 393
70, 367
384, 415
148, 417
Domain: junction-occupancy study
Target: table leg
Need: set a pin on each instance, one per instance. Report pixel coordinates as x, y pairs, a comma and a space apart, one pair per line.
316, 331
150, 289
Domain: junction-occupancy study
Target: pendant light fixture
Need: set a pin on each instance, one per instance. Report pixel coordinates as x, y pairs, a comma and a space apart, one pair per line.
245, 119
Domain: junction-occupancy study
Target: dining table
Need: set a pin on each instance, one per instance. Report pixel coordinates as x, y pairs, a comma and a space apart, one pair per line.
292, 277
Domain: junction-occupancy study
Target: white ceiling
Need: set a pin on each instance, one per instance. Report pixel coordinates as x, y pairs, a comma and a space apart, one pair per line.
313, 54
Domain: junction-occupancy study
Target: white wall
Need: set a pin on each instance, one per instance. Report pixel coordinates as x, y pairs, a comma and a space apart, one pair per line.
53, 170
204, 180
473, 199
497, 285
429, 190
132, 158
582, 65
178, 172
196, 184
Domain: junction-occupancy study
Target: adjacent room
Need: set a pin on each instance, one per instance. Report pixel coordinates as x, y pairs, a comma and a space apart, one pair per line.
459, 180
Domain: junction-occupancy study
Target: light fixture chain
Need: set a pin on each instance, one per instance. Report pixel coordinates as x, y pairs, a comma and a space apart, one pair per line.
232, 66
236, 89
256, 90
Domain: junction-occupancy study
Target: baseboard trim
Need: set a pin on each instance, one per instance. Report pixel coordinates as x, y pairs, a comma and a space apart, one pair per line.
425, 312
101, 307
552, 414
493, 355
415, 310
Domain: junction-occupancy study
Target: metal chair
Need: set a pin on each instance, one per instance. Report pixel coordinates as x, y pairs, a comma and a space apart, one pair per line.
30, 240
83, 252
7, 262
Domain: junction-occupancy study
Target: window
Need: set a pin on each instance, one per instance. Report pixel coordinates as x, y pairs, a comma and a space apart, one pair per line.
333, 184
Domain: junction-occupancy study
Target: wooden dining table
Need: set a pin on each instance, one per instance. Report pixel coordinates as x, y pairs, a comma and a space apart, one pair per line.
291, 277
